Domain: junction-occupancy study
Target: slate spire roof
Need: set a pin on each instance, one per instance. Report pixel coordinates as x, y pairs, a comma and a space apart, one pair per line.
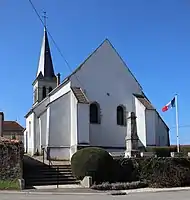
45, 66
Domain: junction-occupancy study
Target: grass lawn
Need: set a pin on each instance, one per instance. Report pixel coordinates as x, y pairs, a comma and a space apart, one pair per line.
9, 185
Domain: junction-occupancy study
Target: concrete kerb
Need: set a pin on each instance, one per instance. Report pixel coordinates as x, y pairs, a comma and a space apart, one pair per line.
154, 190
110, 192
50, 193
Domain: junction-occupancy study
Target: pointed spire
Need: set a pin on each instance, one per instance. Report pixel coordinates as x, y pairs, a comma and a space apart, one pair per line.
45, 66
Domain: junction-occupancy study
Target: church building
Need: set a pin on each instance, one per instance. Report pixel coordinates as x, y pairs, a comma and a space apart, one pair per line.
89, 107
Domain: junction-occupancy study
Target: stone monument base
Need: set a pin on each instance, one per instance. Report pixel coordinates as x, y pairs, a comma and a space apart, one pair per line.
132, 153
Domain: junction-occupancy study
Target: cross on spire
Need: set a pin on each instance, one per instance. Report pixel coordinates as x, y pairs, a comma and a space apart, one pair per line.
45, 17
45, 66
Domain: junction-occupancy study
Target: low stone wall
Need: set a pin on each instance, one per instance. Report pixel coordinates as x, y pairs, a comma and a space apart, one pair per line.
11, 157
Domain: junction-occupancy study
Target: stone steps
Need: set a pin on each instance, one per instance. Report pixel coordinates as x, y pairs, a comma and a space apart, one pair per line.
37, 173
52, 162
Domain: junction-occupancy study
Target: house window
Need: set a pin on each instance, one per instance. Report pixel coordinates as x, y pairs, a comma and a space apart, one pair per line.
13, 137
44, 92
94, 113
120, 115
50, 89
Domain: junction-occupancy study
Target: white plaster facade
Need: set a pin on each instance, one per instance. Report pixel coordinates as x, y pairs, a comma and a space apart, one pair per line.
61, 121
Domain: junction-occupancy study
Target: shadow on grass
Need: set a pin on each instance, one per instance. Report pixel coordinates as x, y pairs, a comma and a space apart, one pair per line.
9, 185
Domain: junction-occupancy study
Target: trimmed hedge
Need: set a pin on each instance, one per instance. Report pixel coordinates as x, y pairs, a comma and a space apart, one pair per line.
184, 149
120, 186
165, 151
125, 170
11, 155
156, 172
95, 162
162, 151
161, 172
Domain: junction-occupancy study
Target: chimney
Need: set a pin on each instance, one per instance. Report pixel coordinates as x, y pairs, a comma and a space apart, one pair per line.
1, 123
58, 78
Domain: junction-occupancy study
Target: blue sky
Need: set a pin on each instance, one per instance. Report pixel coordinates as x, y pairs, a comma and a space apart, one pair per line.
153, 38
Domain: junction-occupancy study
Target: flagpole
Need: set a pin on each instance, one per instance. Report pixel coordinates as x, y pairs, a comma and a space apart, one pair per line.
177, 122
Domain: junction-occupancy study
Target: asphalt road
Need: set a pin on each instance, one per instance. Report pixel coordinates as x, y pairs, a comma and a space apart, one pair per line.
182, 195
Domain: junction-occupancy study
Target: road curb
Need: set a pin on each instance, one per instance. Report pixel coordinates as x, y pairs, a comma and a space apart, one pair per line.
156, 190
110, 192
37, 192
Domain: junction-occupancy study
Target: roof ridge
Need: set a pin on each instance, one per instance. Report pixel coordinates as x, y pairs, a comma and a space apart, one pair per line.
92, 53
85, 60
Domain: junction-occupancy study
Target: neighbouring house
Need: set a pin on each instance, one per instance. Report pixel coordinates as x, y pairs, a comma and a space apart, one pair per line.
11, 129
89, 107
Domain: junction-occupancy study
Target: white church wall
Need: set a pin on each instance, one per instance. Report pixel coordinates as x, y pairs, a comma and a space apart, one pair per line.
43, 127
74, 125
41, 107
25, 140
95, 135
140, 120
151, 127
83, 123
62, 90
59, 127
59, 153
30, 131
37, 112
73, 120
106, 80
37, 135
161, 133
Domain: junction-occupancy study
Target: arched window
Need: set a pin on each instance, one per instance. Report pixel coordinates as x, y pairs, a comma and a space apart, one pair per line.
94, 113
50, 89
44, 92
120, 115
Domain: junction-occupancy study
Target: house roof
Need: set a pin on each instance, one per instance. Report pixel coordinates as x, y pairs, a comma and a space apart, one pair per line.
79, 94
12, 126
144, 100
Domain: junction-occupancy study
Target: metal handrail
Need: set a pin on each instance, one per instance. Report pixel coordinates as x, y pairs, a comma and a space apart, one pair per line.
43, 155
50, 163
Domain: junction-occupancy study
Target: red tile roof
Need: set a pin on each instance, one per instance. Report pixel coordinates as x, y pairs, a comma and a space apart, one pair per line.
12, 126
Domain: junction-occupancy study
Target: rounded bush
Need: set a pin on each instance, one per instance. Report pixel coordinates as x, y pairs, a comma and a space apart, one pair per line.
92, 161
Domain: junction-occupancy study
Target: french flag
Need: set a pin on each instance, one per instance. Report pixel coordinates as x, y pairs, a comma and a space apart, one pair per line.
169, 105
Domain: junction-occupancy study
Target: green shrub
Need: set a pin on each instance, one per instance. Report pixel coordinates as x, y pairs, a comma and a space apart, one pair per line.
165, 172
161, 151
93, 161
184, 149
120, 186
125, 170
156, 172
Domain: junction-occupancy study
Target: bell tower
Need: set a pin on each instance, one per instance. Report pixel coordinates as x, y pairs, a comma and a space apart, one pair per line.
45, 80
